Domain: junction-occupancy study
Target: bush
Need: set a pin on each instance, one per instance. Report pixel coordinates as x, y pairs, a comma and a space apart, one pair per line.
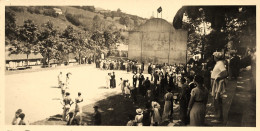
50, 12
89, 8
17, 8
30, 9
37, 11
72, 19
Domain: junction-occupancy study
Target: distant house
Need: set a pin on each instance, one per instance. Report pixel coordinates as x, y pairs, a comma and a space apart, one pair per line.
100, 10
15, 61
122, 49
57, 10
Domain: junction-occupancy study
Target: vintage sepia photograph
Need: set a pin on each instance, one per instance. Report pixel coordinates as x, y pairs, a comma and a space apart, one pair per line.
130, 63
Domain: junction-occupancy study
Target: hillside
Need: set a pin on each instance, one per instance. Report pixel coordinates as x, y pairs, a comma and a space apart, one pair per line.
83, 17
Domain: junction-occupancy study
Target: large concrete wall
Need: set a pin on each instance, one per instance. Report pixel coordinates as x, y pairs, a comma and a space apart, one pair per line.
158, 42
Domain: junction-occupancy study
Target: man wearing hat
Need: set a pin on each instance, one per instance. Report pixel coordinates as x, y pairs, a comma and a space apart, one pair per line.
134, 79
218, 76
96, 116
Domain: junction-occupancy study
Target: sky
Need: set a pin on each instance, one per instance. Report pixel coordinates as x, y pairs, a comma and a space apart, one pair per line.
142, 8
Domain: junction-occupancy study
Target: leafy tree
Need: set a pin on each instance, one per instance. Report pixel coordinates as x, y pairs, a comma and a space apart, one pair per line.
73, 19
125, 20
227, 23
98, 39
96, 23
108, 36
48, 41
118, 10
69, 38
80, 45
28, 39
10, 26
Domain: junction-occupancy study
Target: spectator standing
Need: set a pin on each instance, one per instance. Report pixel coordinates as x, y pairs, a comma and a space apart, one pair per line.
184, 101
147, 114
139, 117
67, 102
218, 76
168, 105
197, 103
96, 116
156, 117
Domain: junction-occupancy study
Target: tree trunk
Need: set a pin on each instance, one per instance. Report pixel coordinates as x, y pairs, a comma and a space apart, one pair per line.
79, 59
48, 60
27, 59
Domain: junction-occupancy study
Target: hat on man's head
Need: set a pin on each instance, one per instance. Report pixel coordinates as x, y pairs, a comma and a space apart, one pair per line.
218, 54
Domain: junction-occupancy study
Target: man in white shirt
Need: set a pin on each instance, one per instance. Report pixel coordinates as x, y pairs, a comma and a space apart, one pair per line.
218, 76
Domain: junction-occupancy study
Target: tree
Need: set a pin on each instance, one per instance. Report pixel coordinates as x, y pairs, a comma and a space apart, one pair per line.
118, 10
227, 23
125, 20
48, 41
96, 23
10, 26
68, 41
80, 45
28, 39
108, 38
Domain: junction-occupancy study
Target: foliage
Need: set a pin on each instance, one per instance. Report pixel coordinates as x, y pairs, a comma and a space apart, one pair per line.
50, 12
17, 8
97, 24
125, 20
227, 24
48, 42
10, 25
74, 20
32, 10
28, 38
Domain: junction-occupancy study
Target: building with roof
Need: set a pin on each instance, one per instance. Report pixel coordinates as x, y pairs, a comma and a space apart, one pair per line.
57, 11
16, 61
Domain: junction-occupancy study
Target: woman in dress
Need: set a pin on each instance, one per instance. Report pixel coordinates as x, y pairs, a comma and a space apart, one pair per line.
127, 89
139, 117
156, 117
168, 106
197, 104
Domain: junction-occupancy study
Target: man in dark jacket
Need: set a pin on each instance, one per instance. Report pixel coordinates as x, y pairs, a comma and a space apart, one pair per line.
96, 116
147, 85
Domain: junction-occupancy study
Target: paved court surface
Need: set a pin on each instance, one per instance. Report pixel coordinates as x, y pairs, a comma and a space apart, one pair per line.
36, 93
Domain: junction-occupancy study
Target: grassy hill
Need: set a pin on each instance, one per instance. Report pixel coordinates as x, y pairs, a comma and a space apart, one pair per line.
60, 22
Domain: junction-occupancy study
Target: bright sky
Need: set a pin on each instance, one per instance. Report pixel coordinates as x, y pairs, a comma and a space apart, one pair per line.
143, 8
